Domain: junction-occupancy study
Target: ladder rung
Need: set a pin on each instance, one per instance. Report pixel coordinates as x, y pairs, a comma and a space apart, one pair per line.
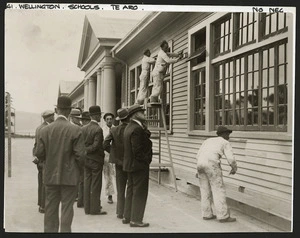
155, 138
161, 165
155, 153
154, 104
156, 128
152, 120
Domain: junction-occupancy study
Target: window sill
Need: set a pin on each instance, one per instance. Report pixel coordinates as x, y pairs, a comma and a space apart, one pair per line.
240, 135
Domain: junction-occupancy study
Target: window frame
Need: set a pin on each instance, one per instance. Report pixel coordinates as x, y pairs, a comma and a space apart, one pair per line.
209, 128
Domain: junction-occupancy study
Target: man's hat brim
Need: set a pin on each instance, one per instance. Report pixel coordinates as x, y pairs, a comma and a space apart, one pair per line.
82, 118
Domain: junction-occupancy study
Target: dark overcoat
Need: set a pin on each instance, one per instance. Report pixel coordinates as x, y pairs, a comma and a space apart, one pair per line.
137, 148
114, 144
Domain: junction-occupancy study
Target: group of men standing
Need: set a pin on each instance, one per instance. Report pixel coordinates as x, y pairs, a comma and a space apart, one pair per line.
72, 158
73, 151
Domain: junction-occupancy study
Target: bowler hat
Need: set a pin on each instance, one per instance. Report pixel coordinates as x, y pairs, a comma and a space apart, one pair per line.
94, 110
108, 114
64, 102
84, 116
122, 114
47, 113
75, 112
223, 129
135, 108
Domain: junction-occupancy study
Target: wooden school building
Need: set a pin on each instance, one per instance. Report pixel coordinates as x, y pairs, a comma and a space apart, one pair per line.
238, 73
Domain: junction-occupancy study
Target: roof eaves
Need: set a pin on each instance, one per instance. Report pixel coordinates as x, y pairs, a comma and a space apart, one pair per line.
142, 24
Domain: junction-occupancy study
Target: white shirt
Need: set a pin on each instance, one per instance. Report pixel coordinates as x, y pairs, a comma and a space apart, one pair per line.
162, 60
106, 129
146, 61
213, 149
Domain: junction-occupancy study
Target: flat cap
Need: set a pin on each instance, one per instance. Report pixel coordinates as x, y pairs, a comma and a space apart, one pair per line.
223, 129
47, 113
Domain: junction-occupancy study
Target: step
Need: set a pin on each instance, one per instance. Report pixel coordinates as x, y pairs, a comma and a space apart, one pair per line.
156, 128
160, 165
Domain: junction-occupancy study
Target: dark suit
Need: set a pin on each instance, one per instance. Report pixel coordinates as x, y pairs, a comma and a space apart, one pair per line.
114, 145
60, 145
94, 160
41, 187
81, 178
137, 157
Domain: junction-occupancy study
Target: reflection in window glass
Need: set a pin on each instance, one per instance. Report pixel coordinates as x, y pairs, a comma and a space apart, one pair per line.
254, 97
244, 29
222, 41
199, 85
272, 23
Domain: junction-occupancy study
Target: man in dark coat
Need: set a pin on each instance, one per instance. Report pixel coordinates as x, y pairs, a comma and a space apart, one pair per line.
60, 145
48, 117
114, 144
94, 160
137, 158
85, 119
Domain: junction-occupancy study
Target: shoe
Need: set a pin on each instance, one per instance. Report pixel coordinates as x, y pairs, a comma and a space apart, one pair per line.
210, 218
125, 221
138, 224
120, 216
99, 213
110, 201
228, 219
41, 210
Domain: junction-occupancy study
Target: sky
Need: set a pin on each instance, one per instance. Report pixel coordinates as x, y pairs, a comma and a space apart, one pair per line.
42, 48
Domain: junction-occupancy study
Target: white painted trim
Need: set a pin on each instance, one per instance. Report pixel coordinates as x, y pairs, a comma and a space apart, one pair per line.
250, 47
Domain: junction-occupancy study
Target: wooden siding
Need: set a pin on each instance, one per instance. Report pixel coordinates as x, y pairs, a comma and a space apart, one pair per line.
264, 166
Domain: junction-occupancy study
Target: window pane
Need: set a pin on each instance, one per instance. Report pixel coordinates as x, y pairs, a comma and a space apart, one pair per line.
271, 77
281, 54
265, 78
281, 70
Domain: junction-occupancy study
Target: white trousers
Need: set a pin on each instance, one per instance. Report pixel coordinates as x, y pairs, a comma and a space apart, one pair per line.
212, 190
108, 172
158, 78
144, 81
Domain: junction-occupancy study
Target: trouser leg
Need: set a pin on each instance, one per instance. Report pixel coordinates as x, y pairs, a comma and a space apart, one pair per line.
128, 199
43, 196
144, 81
51, 219
140, 194
206, 195
121, 180
87, 189
157, 84
68, 196
40, 185
215, 177
108, 176
96, 184
80, 188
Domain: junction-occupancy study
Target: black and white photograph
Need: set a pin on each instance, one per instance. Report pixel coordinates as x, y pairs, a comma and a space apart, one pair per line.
123, 118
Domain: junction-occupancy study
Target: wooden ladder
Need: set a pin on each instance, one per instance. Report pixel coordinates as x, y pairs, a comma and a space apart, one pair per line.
158, 130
